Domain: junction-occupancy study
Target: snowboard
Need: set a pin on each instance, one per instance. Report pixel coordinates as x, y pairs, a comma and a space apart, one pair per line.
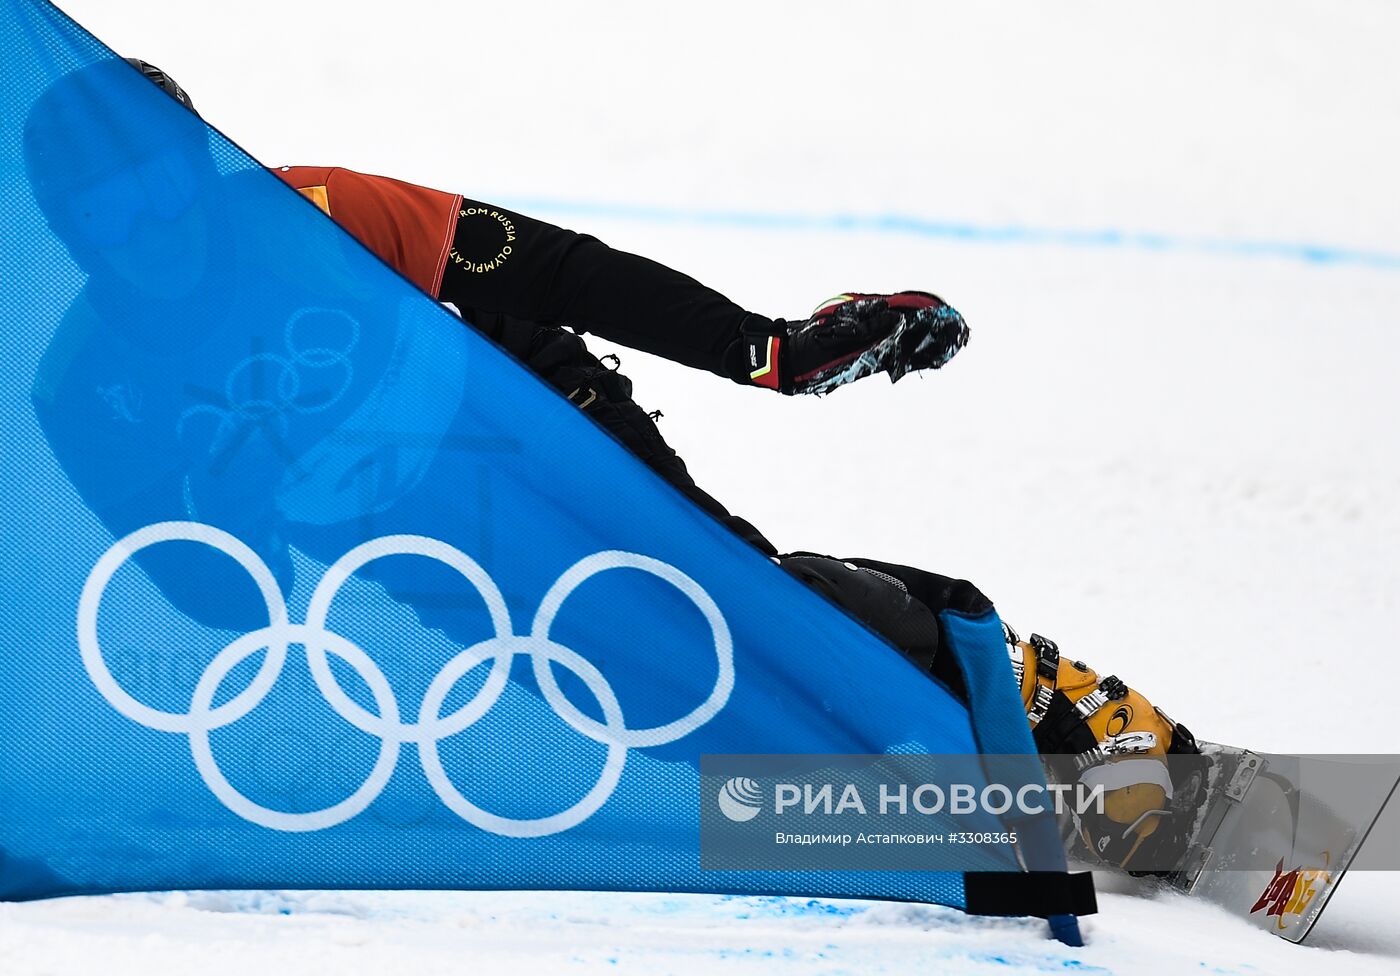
1274, 834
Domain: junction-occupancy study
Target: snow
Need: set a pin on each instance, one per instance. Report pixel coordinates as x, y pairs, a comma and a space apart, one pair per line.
1173, 453
517, 932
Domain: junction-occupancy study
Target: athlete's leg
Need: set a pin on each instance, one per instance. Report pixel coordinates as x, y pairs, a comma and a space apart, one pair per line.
1074, 713
900, 603
605, 395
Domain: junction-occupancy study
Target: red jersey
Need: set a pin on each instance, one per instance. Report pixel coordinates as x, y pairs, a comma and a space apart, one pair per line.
410, 227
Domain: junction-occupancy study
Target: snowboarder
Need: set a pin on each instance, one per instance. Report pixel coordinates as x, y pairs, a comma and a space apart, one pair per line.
535, 289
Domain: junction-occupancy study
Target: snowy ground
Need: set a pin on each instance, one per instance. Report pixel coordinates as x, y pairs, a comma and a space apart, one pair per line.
221, 934
1172, 447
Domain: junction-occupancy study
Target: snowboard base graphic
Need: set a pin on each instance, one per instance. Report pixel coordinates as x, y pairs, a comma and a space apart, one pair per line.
1276, 833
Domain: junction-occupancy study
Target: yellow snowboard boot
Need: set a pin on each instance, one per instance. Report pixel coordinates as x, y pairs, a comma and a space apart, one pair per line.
1110, 736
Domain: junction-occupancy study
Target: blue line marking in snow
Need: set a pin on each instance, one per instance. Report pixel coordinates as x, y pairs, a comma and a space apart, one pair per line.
1044, 965
1007, 234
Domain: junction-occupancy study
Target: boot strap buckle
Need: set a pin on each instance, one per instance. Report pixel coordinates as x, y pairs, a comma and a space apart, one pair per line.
1040, 704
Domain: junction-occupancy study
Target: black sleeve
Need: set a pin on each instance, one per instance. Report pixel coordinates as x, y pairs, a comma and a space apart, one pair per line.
505, 263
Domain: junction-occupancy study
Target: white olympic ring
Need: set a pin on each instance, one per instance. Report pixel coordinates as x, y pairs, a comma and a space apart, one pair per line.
431, 726
284, 396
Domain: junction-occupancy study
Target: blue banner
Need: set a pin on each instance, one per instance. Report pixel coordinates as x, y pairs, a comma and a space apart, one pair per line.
309, 585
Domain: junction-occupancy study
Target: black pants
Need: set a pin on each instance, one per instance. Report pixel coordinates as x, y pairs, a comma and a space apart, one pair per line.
901, 603
605, 395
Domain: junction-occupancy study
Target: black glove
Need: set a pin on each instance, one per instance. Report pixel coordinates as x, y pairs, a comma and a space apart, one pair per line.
853, 336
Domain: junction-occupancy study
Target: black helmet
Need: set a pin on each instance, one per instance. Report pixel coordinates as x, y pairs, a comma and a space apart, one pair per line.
96, 123
166, 83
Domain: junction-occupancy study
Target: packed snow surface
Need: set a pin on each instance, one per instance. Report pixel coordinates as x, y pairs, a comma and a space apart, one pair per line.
1171, 444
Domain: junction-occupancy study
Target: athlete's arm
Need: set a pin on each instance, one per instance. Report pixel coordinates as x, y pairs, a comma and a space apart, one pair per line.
505, 262
507, 272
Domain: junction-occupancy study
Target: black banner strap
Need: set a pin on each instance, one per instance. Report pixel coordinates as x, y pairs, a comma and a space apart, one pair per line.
1038, 893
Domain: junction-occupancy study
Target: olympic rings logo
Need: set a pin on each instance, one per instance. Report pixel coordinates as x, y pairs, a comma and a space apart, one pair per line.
314, 339
431, 726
